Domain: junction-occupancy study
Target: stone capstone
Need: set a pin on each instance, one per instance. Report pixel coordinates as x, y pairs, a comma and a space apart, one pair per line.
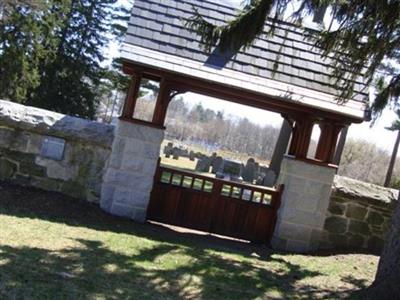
42, 121
371, 193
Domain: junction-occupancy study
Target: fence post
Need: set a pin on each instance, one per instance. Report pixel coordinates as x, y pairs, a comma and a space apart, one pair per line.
215, 195
276, 203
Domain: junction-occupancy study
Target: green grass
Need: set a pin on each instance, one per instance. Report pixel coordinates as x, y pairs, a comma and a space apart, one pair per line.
54, 247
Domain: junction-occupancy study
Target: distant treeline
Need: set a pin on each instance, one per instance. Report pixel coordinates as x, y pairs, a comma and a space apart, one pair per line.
217, 129
361, 160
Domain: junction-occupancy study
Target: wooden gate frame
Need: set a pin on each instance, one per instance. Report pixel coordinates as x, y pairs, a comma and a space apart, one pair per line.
172, 194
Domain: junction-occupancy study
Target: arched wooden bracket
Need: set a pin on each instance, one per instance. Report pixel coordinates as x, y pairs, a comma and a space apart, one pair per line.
166, 93
288, 119
176, 92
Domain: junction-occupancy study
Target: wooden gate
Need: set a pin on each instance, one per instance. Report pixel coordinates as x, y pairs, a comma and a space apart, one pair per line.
213, 205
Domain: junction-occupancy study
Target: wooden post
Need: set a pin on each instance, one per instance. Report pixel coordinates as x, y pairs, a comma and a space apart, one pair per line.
131, 97
163, 99
301, 137
327, 141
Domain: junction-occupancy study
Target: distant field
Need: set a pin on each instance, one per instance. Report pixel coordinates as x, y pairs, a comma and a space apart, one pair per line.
182, 163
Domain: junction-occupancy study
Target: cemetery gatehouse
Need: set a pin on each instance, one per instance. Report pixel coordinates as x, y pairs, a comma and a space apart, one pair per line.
283, 73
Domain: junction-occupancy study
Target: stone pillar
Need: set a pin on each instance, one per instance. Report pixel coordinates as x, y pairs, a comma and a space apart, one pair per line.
128, 179
305, 201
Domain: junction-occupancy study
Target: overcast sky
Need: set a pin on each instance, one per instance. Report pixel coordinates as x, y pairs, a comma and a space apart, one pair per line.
377, 134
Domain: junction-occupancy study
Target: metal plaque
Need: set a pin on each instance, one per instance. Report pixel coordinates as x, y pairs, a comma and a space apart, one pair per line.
53, 148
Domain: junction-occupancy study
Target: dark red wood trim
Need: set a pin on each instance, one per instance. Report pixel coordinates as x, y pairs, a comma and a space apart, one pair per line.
133, 93
163, 99
327, 141
314, 161
301, 137
237, 95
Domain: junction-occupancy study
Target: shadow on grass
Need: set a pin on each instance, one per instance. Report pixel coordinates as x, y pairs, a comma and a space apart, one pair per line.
93, 270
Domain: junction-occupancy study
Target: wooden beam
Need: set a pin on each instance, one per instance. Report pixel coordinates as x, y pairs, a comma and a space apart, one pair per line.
327, 141
301, 137
163, 99
237, 95
131, 97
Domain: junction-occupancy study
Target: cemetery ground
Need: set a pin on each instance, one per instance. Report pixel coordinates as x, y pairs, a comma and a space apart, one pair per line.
53, 247
222, 152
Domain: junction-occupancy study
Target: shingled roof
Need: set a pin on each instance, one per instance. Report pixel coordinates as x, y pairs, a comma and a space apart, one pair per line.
285, 65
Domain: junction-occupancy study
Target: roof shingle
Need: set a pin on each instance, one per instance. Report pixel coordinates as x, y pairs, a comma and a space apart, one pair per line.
287, 56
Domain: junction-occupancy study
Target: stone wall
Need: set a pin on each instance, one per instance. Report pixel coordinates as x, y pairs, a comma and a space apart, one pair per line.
358, 215
79, 171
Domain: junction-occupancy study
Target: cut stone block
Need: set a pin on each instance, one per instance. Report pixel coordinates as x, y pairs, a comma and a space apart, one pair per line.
128, 179
305, 201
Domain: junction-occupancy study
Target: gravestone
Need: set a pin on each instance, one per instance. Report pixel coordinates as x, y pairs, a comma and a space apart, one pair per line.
257, 169
183, 152
269, 178
212, 158
168, 148
217, 165
192, 155
175, 153
232, 169
249, 171
203, 165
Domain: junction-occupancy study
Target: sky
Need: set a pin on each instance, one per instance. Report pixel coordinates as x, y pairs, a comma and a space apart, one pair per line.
377, 134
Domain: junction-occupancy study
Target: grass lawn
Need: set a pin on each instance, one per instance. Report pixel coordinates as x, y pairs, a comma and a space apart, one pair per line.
55, 247
182, 163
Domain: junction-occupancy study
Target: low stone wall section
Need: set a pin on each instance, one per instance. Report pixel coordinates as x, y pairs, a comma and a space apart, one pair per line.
80, 170
358, 215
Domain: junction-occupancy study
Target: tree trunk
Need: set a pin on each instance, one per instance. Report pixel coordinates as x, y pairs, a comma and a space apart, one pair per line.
392, 161
387, 279
281, 147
